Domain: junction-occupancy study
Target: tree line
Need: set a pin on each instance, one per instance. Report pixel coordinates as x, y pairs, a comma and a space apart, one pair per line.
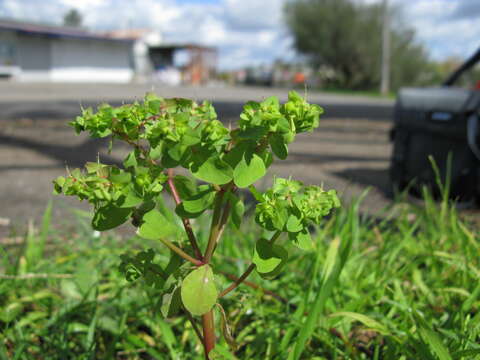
345, 36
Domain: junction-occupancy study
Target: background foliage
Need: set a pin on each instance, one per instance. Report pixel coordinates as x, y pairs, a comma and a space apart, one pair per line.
346, 36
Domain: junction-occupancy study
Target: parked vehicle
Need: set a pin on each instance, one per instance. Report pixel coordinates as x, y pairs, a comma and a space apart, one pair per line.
441, 123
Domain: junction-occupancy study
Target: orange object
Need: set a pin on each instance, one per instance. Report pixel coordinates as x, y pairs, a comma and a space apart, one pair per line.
299, 78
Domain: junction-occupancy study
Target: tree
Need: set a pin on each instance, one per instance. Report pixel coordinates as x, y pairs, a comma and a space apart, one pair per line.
73, 18
346, 36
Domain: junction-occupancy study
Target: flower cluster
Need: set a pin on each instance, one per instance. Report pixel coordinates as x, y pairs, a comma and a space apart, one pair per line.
288, 206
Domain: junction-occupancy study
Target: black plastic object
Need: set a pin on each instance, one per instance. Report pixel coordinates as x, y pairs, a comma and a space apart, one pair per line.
435, 122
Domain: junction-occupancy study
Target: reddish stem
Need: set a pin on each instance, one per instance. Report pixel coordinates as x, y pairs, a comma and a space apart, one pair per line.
238, 281
208, 333
255, 286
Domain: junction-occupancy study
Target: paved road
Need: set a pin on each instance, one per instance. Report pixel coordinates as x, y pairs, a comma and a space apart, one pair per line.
349, 151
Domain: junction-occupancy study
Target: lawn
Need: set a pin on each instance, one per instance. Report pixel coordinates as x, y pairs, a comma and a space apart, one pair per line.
402, 285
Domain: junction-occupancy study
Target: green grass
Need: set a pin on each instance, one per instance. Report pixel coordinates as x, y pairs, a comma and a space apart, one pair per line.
403, 286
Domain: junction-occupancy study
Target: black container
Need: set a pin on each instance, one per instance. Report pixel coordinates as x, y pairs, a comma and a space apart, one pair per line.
436, 122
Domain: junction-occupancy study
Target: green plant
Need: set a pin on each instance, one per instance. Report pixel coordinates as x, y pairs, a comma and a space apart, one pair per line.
170, 133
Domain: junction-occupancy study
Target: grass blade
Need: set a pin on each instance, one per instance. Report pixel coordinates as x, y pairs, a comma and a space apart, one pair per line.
430, 337
331, 273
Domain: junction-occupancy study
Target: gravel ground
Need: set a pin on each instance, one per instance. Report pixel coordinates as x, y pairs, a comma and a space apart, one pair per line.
349, 151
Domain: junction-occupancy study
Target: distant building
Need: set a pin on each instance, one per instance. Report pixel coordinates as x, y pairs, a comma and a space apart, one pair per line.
33, 52
171, 63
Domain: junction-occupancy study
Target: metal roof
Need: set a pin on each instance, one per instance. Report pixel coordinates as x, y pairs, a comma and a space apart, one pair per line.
53, 30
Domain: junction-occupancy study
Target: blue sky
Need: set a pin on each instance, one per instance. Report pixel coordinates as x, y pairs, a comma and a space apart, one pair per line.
251, 31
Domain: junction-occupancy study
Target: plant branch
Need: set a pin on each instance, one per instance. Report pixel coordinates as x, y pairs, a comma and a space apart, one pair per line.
181, 253
237, 282
256, 287
219, 221
186, 223
247, 272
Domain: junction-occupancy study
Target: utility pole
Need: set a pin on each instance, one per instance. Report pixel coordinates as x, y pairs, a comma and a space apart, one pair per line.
385, 81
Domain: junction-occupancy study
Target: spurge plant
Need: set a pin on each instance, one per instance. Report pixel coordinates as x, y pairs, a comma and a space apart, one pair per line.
165, 134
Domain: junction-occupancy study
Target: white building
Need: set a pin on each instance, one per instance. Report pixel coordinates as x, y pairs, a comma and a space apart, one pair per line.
33, 52
169, 63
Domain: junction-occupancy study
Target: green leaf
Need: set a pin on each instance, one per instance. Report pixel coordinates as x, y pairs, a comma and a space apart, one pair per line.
180, 211
280, 218
155, 226
58, 185
185, 186
212, 170
254, 133
130, 160
365, 320
235, 155
94, 167
171, 303
198, 291
302, 240
177, 152
200, 201
109, 217
156, 151
221, 353
248, 170
168, 162
269, 258
294, 224
129, 198
278, 146
120, 178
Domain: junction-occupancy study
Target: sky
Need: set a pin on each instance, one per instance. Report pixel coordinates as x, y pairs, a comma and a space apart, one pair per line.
251, 32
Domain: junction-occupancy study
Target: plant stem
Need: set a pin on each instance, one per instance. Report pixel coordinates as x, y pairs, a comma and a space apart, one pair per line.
237, 282
256, 287
247, 272
219, 220
181, 253
215, 228
208, 332
186, 222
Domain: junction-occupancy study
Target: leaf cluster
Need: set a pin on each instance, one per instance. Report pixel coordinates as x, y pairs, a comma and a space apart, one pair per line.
167, 133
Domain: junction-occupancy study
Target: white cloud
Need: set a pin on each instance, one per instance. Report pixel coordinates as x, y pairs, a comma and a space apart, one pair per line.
253, 15
447, 28
443, 28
